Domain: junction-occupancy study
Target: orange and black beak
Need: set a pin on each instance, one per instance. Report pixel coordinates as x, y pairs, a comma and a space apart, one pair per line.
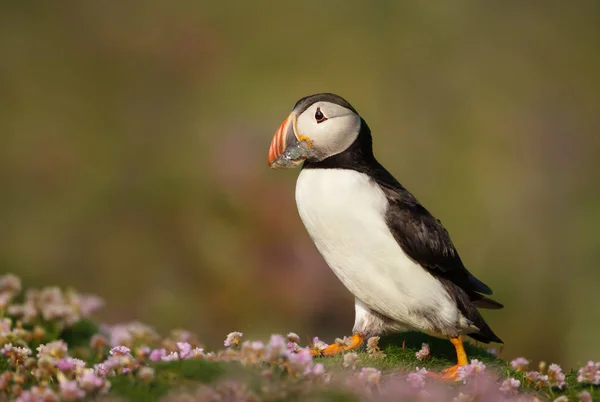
284, 138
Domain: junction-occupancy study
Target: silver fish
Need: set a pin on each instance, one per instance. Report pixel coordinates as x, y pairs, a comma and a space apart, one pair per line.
293, 155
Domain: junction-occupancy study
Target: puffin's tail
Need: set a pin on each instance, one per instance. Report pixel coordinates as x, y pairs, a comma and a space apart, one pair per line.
480, 301
485, 335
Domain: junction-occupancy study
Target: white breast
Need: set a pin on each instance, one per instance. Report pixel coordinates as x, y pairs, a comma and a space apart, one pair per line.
343, 211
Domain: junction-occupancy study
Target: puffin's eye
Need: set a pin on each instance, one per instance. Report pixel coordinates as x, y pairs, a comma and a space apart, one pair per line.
319, 116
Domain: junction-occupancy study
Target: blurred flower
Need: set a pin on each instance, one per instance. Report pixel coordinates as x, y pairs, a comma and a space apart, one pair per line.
350, 360
120, 351
131, 333
157, 354
102, 369
423, 353
585, 396
315, 371
10, 283
300, 362
590, 373
184, 349
561, 399
373, 347
68, 364
90, 382
292, 347
343, 342
371, 375
276, 348
510, 386
15, 354
56, 349
98, 341
292, 337
520, 363
542, 366
318, 345
85, 303
70, 391
170, 357
471, 370
532, 375
146, 374
462, 397
233, 339
556, 377
417, 378
38, 394
492, 351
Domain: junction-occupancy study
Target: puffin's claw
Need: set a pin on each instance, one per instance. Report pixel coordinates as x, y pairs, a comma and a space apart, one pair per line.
449, 374
331, 350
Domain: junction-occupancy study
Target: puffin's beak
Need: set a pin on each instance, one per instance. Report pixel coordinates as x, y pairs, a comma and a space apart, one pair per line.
284, 138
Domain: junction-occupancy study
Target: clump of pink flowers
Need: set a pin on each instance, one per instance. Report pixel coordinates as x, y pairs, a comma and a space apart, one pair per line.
590, 373
423, 353
520, 364
471, 371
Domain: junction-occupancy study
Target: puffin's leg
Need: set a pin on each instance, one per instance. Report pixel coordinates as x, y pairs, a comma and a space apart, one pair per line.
355, 341
451, 373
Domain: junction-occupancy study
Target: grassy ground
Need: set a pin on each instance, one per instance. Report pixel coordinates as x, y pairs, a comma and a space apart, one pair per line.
399, 358
43, 333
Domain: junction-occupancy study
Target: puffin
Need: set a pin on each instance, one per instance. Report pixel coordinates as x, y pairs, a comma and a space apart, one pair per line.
386, 248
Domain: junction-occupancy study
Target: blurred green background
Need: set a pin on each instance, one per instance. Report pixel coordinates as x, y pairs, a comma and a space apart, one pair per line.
134, 140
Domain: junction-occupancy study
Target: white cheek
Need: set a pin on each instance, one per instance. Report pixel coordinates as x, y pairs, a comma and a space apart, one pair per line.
331, 136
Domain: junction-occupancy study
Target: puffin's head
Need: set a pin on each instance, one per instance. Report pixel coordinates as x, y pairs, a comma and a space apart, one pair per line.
328, 125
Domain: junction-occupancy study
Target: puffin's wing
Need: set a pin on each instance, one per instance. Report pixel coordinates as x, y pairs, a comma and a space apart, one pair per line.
424, 239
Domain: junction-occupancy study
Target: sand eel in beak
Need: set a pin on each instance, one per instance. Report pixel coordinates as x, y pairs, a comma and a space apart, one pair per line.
394, 257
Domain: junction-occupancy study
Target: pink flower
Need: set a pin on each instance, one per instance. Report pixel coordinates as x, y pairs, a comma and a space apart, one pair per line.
102, 369
276, 348
318, 345
10, 283
471, 371
277, 341
293, 338
520, 363
532, 375
70, 391
303, 357
556, 377
98, 341
423, 353
56, 349
69, 364
146, 374
590, 373
315, 371
157, 354
88, 304
371, 375
233, 339
196, 352
417, 378
510, 386
585, 397
120, 351
350, 360
38, 394
184, 349
170, 357
91, 382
